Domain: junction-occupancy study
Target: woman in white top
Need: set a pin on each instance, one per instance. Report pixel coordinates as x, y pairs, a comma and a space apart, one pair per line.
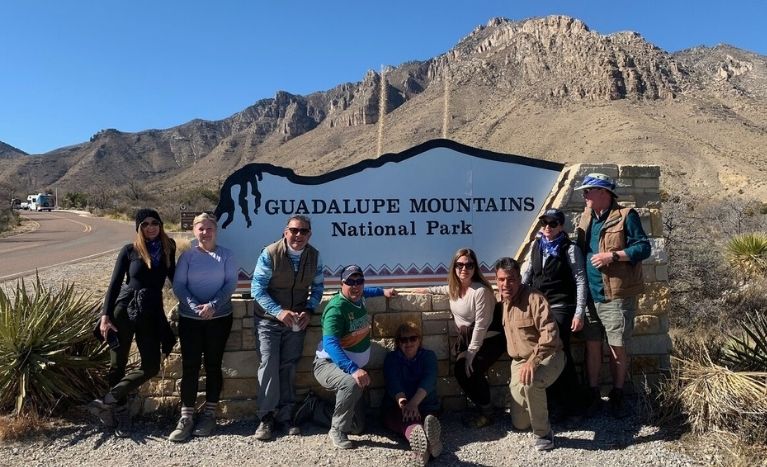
481, 340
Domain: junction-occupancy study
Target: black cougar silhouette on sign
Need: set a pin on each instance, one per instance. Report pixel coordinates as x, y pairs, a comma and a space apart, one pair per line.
249, 174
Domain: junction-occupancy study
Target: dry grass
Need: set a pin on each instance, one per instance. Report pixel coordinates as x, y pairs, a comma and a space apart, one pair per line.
718, 399
725, 410
19, 427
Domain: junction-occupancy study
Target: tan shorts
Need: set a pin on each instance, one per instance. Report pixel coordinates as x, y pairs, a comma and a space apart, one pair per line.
613, 319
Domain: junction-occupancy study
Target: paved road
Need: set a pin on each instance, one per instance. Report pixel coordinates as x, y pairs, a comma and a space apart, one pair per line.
62, 237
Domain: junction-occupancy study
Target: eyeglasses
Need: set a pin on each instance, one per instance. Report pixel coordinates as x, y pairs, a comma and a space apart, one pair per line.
459, 265
146, 224
552, 224
408, 339
296, 231
353, 282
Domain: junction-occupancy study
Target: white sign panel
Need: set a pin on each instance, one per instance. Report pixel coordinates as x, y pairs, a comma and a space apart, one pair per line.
401, 217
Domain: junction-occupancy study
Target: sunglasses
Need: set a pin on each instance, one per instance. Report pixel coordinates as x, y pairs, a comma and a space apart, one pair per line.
459, 265
408, 339
353, 282
148, 223
589, 190
296, 231
552, 224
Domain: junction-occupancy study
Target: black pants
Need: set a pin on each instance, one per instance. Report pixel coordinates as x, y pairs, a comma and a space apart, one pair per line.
565, 392
147, 335
476, 386
202, 338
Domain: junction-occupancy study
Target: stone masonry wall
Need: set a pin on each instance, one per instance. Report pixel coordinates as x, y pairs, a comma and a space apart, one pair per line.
650, 346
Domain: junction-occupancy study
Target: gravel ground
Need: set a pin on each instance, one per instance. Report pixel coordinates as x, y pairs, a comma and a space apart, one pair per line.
79, 440
599, 441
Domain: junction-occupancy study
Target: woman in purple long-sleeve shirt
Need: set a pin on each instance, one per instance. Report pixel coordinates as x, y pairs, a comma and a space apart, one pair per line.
206, 277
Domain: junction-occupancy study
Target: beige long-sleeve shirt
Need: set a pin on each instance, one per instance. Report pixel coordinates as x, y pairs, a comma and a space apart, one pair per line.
476, 306
531, 332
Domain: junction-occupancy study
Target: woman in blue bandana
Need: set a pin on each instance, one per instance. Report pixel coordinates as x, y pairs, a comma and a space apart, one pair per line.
557, 269
133, 308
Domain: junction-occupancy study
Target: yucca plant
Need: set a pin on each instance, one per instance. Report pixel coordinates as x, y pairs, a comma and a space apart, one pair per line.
47, 351
748, 253
747, 351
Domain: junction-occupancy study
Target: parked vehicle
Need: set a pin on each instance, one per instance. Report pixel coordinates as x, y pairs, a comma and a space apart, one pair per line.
40, 202
15, 203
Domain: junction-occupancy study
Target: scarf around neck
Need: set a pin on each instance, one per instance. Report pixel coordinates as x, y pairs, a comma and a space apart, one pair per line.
551, 248
155, 251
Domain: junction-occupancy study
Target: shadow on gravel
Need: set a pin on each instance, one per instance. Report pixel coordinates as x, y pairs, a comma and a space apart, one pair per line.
612, 433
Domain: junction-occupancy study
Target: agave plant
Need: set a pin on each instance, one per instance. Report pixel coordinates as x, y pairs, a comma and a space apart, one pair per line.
748, 351
47, 351
748, 253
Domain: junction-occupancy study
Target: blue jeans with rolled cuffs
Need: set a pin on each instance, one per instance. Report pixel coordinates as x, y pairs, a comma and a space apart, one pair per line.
280, 349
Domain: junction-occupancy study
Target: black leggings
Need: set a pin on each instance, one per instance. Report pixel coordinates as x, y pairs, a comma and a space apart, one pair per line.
476, 386
202, 337
147, 334
565, 391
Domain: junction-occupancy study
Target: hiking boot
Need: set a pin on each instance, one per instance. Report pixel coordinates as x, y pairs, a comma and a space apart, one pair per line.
206, 424
265, 428
104, 412
545, 443
433, 430
340, 439
124, 425
419, 445
595, 402
305, 410
617, 407
183, 430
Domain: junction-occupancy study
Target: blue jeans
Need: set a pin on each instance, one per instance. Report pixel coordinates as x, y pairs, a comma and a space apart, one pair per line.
280, 349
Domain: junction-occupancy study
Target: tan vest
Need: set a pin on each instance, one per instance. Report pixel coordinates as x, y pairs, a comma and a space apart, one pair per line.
289, 288
621, 279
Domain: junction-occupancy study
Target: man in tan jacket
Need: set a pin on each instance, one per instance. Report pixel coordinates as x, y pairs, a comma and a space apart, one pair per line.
533, 343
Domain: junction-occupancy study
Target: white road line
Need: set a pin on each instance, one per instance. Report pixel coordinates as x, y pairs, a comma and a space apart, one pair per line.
32, 271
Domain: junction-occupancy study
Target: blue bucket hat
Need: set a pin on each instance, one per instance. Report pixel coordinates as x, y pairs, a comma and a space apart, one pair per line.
597, 180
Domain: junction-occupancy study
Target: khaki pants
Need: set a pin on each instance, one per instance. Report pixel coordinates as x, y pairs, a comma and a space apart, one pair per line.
529, 407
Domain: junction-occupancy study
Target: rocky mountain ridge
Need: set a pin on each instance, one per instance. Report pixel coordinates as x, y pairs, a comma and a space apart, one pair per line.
545, 87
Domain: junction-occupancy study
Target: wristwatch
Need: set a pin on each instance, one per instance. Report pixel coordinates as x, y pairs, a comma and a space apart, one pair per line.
616, 258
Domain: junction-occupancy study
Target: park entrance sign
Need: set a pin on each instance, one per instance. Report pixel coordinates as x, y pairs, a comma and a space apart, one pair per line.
401, 217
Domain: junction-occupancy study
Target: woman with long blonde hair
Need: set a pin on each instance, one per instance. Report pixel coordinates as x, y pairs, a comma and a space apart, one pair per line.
481, 340
133, 308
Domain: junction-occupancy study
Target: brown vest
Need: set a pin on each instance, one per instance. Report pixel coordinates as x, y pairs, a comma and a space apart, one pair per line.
289, 288
621, 279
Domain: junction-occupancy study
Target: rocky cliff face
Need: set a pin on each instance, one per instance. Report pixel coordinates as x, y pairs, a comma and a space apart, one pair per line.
560, 57
7, 151
551, 68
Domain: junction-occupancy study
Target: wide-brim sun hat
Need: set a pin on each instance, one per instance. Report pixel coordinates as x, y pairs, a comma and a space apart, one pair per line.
598, 180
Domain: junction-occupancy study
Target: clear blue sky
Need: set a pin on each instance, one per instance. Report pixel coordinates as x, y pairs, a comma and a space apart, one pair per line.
71, 68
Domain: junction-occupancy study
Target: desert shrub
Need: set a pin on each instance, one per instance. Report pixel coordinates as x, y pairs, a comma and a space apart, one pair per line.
705, 288
199, 199
747, 350
47, 352
21, 426
75, 200
8, 219
747, 253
